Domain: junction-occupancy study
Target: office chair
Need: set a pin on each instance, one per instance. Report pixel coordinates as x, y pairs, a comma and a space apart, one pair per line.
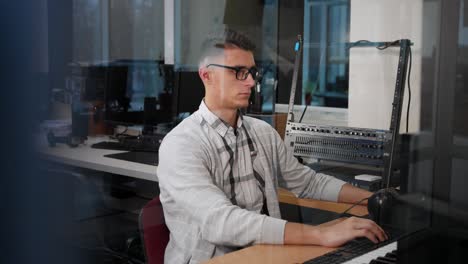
154, 232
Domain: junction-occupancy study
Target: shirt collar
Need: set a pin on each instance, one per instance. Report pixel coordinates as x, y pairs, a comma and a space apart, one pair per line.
217, 123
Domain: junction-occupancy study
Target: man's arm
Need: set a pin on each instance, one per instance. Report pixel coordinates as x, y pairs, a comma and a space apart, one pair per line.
323, 187
351, 194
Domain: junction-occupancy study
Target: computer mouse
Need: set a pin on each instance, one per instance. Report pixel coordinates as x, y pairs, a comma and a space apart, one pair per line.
380, 205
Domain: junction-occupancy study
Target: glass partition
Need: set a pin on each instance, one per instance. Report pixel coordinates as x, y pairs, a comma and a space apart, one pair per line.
344, 101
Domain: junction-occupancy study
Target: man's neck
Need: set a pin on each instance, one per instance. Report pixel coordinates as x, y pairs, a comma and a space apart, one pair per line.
227, 115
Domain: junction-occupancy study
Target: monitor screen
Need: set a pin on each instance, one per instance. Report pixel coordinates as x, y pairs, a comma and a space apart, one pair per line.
189, 91
136, 93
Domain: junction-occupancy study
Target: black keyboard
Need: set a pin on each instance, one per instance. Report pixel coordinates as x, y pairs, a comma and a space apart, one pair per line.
149, 158
110, 145
140, 143
355, 248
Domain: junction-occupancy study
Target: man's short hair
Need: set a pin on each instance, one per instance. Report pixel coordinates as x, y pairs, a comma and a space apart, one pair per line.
218, 41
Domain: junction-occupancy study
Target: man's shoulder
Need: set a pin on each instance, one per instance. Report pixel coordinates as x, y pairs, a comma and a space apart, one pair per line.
257, 124
255, 121
186, 127
261, 130
190, 122
185, 133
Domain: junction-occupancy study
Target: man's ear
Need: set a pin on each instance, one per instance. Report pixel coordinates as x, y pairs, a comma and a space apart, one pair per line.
205, 75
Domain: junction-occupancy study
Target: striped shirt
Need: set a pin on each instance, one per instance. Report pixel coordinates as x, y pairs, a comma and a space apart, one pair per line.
219, 185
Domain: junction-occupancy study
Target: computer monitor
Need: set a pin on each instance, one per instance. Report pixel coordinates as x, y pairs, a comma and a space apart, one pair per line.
136, 93
188, 92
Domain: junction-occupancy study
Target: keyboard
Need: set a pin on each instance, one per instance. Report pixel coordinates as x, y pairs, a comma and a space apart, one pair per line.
149, 158
113, 145
351, 251
140, 143
382, 255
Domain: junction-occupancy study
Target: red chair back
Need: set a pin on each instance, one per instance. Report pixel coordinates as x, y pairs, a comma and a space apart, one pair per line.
154, 232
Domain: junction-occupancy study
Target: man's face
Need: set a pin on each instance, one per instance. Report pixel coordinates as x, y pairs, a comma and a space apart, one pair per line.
227, 91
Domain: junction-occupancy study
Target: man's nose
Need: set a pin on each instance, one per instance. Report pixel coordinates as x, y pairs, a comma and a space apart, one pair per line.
250, 80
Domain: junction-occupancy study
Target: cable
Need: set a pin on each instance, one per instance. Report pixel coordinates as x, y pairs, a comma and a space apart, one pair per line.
118, 136
303, 113
359, 42
388, 45
123, 132
409, 87
354, 205
384, 46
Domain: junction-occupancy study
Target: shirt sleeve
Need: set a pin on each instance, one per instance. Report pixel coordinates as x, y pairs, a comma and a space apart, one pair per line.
187, 187
302, 180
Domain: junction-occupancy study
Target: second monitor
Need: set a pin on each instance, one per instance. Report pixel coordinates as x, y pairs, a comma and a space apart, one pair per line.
137, 93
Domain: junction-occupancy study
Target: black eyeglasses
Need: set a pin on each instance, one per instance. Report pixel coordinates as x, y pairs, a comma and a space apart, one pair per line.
241, 72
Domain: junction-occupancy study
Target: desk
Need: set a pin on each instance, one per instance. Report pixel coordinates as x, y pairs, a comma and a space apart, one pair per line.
84, 156
281, 254
274, 254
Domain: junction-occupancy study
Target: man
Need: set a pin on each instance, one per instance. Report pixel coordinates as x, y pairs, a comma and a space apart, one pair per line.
219, 171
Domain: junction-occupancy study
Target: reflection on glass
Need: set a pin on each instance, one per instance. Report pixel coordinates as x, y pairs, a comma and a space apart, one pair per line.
461, 93
256, 19
325, 71
87, 30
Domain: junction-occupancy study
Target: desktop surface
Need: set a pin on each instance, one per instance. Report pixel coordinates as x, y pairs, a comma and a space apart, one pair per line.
355, 249
288, 253
95, 159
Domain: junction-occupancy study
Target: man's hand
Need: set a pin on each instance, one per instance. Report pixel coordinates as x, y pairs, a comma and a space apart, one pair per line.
339, 233
335, 233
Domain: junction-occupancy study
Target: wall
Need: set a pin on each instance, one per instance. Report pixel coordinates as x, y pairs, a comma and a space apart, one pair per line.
372, 73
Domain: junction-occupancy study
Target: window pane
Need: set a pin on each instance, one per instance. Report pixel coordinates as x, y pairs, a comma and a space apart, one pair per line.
325, 67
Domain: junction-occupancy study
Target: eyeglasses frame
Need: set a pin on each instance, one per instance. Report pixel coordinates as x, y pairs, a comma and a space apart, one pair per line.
256, 77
